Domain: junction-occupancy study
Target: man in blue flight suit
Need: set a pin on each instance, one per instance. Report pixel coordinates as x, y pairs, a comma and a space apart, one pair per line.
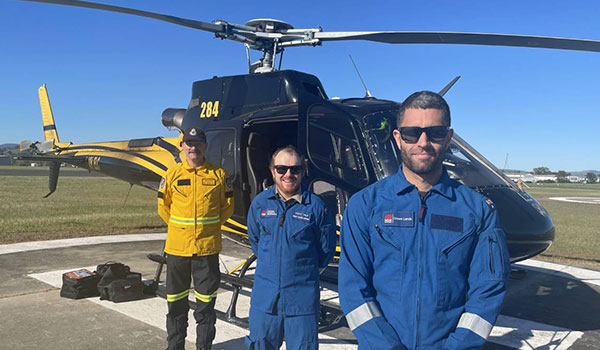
292, 235
424, 261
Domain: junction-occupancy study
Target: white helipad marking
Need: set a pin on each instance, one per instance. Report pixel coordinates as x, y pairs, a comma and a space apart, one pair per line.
152, 311
72, 242
523, 334
584, 200
509, 331
575, 273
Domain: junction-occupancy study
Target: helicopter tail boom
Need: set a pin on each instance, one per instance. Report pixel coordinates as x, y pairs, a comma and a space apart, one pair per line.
50, 133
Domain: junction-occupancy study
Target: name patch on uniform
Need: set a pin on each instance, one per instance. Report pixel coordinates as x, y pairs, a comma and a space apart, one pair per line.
399, 218
448, 223
268, 212
301, 216
184, 182
209, 182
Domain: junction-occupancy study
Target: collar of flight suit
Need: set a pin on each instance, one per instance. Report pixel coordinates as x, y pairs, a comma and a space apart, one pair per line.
302, 195
443, 187
202, 167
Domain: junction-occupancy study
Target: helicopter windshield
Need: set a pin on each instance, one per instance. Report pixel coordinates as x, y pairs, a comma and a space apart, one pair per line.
463, 162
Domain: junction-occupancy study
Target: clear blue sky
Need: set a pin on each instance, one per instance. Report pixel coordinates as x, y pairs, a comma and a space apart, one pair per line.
110, 75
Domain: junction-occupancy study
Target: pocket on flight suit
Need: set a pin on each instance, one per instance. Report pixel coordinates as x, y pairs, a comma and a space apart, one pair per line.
453, 269
496, 257
390, 248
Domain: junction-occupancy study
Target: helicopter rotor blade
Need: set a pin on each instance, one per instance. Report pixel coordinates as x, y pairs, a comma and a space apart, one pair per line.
209, 27
464, 39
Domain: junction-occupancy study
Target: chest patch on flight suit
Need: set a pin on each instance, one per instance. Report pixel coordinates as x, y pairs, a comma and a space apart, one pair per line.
399, 218
184, 182
209, 182
448, 223
268, 212
301, 216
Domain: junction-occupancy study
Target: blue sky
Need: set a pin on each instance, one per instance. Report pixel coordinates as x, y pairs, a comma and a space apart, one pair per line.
110, 75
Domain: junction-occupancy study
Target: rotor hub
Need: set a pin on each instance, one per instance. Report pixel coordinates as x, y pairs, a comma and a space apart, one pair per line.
269, 25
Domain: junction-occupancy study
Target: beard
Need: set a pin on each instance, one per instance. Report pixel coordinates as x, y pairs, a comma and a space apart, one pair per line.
422, 167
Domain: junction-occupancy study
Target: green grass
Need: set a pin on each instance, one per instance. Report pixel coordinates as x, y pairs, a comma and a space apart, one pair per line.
81, 206
85, 206
577, 225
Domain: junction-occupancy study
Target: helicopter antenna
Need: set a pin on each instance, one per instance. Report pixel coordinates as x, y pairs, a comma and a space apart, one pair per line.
367, 92
447, 87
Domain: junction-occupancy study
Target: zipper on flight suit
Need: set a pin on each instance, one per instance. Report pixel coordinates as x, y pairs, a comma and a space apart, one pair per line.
422, 214
194, 193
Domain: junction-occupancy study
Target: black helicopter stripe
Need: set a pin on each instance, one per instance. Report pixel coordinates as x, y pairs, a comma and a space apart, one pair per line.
169, 147
49, 127
146, 158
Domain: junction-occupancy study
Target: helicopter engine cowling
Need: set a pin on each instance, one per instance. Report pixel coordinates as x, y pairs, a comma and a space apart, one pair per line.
173, 117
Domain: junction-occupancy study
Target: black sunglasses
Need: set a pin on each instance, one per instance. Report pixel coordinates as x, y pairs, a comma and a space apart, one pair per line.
294, 169
411, 134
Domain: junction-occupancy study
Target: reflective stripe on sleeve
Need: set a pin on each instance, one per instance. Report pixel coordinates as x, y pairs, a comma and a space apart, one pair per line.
475, 324
190, 221
362, 314
175, 297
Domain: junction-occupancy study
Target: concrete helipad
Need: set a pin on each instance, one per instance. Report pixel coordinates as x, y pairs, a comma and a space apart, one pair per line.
550, 307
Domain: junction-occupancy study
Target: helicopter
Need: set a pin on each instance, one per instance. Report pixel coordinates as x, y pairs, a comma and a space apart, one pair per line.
347, 141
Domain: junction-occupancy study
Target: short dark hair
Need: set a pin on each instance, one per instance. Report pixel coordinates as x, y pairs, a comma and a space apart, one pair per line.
289, 149
425, 100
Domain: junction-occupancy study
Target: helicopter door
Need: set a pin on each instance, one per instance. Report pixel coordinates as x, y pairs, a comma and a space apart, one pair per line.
328, 136
223, 142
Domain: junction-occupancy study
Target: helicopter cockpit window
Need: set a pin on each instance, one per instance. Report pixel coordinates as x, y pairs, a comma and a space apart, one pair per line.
380, 126
462, 161
221, 149
333, 146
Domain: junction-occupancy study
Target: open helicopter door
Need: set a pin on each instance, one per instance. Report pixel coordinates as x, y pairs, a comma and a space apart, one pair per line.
331, 140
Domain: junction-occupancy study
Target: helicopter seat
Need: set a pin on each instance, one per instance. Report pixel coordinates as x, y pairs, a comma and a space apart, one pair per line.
257, 155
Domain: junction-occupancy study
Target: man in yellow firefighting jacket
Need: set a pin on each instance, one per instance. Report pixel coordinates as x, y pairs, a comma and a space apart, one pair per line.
194, 198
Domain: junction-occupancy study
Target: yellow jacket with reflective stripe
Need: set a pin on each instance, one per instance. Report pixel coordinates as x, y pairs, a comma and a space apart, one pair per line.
194, 203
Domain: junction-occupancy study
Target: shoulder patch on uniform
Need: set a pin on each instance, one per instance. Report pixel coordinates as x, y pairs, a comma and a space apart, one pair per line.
163, 181
268, 212
209, 182
228, 181
490, 203
399, 218
448, 223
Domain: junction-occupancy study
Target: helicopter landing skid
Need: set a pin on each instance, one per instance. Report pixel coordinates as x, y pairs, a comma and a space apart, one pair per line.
331, 315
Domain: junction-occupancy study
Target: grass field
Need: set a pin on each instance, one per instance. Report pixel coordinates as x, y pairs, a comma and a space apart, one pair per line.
577, 225
82, 206
85, 206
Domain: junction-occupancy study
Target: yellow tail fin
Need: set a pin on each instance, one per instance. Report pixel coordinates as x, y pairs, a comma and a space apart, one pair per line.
47, 117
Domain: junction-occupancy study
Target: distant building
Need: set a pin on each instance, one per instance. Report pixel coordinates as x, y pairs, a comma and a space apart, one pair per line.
573, 178
531, 178
5, 160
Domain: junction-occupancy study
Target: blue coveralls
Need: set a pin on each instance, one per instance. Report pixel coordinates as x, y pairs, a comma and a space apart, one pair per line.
291, 243
419, 274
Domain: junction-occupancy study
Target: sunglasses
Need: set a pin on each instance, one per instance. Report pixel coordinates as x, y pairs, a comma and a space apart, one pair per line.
294, 169
411, 134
